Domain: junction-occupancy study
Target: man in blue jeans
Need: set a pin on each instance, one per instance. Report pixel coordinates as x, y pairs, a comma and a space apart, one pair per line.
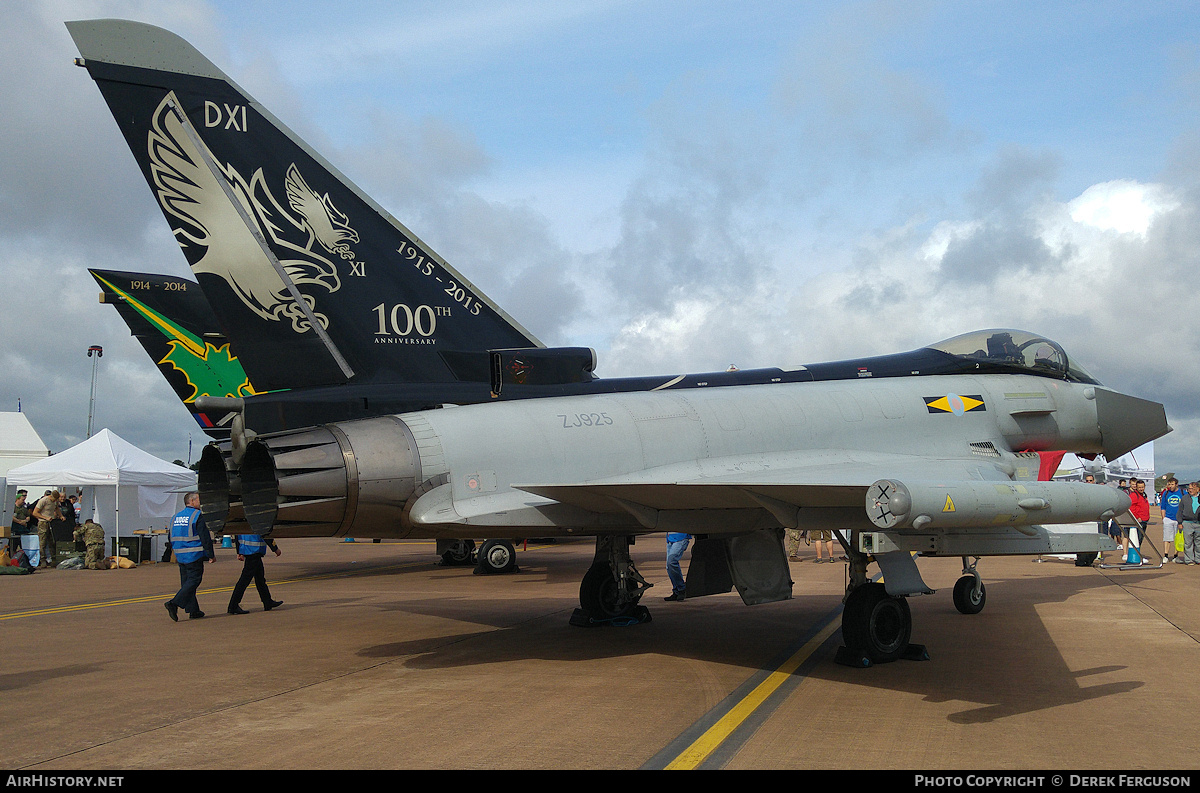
677, 543
1189, 522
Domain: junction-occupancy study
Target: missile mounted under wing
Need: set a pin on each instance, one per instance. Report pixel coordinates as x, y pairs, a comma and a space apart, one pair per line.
936, 451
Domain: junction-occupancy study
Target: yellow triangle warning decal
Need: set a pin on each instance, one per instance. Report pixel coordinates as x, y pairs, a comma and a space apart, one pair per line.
949, 505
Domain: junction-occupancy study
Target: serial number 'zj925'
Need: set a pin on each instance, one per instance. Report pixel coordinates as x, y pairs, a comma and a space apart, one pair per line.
585, 420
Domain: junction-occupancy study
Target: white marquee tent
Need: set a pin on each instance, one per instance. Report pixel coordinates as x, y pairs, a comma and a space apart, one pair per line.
124, 488
19, 442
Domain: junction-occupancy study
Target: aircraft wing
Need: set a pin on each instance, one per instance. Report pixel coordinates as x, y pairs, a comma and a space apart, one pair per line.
869, 492
825, 481
898, 505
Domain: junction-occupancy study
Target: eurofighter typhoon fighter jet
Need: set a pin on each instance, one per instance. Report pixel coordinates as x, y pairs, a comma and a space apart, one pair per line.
457, 423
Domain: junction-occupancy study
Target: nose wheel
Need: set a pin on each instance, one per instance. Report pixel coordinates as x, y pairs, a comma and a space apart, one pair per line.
970, 594
967, 598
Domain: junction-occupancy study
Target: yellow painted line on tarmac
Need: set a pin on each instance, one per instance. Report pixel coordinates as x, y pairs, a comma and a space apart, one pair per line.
215, 590
717, 734
79, 607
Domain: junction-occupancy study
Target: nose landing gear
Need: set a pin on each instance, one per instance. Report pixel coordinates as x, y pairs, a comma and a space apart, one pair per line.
970, 594
876, 626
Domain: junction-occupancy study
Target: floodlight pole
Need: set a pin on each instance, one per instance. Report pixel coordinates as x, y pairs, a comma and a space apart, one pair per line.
98, 353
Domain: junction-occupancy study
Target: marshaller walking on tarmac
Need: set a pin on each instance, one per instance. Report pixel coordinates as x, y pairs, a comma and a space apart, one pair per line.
251, 549
192, 545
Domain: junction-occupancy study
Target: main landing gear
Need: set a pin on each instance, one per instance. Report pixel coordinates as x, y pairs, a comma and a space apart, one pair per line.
457, 552
494, 556
612, 587
876, 626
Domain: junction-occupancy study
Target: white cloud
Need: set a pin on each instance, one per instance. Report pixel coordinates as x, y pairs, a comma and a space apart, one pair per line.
1122, 205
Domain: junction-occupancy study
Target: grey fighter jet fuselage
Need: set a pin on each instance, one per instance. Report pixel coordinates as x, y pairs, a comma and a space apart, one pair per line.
593, 452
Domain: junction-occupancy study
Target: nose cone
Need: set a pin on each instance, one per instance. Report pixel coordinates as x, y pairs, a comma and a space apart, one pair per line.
1127, 422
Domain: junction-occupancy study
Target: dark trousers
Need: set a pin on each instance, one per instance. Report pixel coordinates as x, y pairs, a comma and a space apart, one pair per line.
190, 576
252, 569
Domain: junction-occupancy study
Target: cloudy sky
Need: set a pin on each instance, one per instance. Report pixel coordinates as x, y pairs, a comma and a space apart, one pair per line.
681, 185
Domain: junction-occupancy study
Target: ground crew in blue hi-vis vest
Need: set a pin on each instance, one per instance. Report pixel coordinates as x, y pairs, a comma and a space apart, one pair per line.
192, 545
251, 549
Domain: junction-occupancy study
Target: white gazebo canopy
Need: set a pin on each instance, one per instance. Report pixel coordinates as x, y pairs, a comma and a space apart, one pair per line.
127, 485
19, 442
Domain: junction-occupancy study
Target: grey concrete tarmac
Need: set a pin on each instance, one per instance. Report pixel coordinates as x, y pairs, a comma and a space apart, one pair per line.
381, 659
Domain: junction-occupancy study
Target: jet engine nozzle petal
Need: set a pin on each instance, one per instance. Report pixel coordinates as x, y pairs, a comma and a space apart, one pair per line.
315, 482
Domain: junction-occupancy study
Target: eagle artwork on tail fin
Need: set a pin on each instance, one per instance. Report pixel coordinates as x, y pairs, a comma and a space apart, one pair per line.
215, 240
322, 219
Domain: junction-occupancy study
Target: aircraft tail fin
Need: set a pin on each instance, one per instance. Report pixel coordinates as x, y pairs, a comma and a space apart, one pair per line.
289, 252
173, 322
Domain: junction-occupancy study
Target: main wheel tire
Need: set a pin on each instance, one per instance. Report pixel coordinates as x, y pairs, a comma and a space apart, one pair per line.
965, 598
599, 593
876, 624
1085, 559
497, 556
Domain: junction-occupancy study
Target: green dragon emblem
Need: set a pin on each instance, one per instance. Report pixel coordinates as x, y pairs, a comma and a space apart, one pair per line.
210, 371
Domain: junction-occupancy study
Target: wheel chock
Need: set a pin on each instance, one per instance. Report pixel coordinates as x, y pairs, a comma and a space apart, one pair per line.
859, 660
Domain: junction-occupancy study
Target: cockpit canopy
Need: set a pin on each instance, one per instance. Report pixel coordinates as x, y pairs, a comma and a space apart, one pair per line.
1016, 351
